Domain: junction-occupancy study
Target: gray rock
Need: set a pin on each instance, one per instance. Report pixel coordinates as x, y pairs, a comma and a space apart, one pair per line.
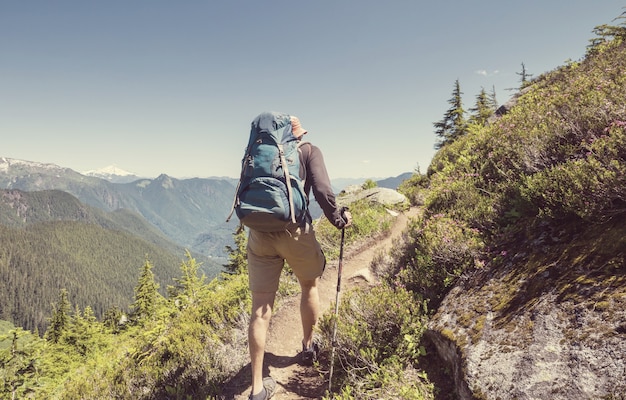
546, 348
386, 197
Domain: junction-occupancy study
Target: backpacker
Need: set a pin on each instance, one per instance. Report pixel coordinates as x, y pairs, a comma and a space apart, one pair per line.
270, 195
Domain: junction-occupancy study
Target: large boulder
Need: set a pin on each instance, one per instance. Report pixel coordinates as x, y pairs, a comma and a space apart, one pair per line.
387, 197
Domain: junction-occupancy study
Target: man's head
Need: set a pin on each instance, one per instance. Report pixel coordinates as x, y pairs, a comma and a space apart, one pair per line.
296, 128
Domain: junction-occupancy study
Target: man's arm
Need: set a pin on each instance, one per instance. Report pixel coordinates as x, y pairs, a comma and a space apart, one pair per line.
317, 178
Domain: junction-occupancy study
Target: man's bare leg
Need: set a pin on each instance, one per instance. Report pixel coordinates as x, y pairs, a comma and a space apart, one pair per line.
262, 304
309, 309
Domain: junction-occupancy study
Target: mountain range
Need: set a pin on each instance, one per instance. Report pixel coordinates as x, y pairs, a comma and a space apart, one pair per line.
191, 212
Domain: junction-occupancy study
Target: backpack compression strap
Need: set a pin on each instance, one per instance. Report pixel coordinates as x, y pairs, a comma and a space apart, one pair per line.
283, 162
236, 199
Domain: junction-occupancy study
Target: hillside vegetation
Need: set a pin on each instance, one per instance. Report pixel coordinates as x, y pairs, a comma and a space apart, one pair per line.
545, 189
514, 273
518, 259
520, 251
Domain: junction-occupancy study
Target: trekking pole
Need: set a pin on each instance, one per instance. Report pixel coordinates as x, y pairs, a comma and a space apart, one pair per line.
335, 317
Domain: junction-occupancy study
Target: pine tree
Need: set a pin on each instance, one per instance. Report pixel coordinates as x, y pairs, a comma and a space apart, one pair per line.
113, 319
18, 364
482, 110
60, 318
493, 101
237, 256
453, 125
524, 76
190, 284
606, 33
81, 331
146, 294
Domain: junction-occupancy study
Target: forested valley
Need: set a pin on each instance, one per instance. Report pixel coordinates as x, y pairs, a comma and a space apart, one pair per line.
51, 241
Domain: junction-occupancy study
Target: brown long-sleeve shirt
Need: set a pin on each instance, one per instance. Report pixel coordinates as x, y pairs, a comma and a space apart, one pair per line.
313, 172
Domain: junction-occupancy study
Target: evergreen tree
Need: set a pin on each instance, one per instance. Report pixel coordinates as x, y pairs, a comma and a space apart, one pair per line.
453, 125
606, 33
113, 319
482, 110
237, 256
81, 331
524, 76
60, 318
493, 102
18, 365
190, 284
146, 294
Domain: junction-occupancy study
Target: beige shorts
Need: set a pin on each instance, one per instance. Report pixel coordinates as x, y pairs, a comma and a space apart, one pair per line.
267, 252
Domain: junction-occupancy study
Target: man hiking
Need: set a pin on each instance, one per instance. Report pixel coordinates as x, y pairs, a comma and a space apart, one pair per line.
294, 241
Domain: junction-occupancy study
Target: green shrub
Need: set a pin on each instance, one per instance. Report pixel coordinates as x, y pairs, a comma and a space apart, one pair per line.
463, 200
369, 184
368, 220
592, 188
377, 345
390, 382
19, 363
433, 254
415, 188
224, 301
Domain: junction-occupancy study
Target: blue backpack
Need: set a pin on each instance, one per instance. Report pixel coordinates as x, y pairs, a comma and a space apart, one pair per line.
270, 195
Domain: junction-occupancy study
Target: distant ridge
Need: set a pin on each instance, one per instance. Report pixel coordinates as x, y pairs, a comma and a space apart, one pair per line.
394, 182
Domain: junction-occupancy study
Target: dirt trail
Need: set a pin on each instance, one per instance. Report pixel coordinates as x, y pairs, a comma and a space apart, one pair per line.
285, 334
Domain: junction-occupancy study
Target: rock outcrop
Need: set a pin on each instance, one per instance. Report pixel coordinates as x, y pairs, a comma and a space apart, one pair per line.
548, 324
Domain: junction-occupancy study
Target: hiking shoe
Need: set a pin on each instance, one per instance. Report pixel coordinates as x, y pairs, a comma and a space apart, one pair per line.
309, 356
269, 386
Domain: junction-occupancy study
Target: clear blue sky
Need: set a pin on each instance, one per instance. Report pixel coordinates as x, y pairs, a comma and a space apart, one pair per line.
171, 86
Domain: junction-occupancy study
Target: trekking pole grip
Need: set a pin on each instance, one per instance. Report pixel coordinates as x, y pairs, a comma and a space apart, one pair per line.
343, 210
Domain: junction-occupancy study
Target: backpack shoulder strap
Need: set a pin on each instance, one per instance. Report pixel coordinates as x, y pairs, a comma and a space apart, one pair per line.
306, 154
305, 150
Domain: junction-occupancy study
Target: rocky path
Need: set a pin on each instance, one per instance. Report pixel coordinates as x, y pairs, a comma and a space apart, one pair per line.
285, 335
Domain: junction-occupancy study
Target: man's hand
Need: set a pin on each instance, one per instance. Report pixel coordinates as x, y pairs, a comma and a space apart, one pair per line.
345, 214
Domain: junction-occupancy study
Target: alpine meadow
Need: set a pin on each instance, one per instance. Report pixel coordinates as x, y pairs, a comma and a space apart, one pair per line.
508, 284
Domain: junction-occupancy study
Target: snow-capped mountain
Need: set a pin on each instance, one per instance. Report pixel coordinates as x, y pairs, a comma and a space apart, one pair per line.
13, 164
113, 174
